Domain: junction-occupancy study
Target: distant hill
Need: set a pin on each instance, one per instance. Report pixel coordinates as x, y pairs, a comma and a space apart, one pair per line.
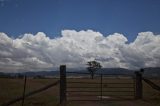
152, 72
149, 72
120, 71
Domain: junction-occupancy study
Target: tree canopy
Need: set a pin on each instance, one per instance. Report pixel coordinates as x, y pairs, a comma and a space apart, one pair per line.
93, 66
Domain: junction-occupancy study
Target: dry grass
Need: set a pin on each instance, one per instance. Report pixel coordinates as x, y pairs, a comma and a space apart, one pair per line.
11, 88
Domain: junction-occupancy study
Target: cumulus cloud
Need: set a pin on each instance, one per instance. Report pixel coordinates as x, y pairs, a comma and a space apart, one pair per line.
39, 52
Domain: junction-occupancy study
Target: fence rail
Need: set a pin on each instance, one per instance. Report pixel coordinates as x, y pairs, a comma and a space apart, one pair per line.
153, 85
98, 74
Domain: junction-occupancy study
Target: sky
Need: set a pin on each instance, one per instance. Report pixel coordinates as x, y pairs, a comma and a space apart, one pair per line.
128, 17
42, 34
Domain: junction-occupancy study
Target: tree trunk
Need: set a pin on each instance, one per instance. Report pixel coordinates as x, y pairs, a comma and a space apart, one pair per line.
92, 75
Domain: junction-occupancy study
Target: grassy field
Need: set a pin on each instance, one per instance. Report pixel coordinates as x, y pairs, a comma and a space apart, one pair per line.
11, 88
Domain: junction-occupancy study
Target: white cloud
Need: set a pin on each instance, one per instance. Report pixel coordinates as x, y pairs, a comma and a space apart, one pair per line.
39, 52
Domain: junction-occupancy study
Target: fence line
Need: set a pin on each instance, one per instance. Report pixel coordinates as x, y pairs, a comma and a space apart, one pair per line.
137, 87
30, 93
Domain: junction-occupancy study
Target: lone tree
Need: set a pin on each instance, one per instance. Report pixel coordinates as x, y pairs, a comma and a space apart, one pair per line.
93, 66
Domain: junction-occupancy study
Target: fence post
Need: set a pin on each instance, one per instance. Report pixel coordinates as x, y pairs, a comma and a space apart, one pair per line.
101, 87
24, 89
62, 84
138, 85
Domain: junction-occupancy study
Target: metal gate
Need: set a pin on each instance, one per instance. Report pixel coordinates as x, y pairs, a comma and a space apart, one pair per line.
102, 87
78, 86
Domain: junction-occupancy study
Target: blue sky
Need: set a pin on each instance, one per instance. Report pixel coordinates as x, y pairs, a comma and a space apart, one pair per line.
128, 17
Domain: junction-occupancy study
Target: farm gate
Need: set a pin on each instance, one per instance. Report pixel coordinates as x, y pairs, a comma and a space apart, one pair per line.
78, 86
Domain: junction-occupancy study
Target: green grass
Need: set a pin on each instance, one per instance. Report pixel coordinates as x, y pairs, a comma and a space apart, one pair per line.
11, 88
